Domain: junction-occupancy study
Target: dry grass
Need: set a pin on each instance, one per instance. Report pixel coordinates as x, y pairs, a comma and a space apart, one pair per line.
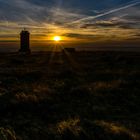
92, 96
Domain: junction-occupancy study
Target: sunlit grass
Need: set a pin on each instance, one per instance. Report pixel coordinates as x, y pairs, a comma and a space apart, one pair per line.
71, 125
118, 129
7, 134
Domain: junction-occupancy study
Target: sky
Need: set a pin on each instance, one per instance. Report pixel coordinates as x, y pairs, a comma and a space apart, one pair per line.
88, 22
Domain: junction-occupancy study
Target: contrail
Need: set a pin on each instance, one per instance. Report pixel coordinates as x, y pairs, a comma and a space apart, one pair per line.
107, 13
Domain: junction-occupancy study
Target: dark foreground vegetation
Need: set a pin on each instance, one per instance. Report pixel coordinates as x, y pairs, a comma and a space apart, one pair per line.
77, 96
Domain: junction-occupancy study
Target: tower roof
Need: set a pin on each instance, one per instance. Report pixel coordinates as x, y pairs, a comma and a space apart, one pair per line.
25, 32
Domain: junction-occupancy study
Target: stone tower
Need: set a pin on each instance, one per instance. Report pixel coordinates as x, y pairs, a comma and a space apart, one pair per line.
25, 41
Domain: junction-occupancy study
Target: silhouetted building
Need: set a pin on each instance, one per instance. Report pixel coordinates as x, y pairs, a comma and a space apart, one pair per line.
25, 41
71, 50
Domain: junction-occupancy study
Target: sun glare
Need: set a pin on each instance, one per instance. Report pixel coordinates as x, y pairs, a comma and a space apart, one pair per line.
57, 38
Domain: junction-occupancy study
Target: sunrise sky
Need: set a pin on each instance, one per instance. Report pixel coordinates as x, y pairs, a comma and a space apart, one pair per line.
79, 22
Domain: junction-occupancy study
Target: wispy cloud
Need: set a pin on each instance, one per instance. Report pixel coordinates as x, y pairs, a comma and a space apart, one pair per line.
107, 13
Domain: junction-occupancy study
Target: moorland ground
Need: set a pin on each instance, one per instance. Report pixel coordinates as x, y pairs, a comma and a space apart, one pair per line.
70, 96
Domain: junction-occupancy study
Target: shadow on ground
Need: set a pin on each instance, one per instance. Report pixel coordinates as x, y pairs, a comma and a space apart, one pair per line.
92, 96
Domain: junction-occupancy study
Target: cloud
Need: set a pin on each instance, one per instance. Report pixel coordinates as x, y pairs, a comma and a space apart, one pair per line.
53, 11
73, 19
117, 23
108, 12
81, 36
101, 23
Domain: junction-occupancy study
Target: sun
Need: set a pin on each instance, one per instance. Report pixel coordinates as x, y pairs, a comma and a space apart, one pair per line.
57, 38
